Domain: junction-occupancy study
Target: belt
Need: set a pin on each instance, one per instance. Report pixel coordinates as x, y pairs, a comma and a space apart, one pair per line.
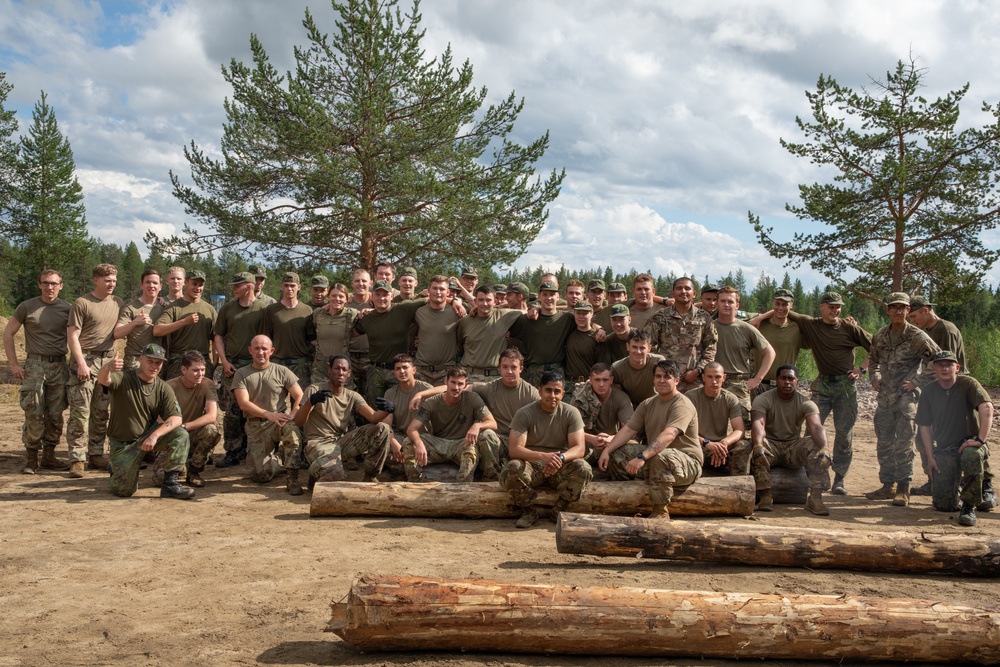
431, 369
834, 378
49, 358
383, 366
358, 355
291, 360
254, 419
95, 353
547, 367
738, 376
487, 372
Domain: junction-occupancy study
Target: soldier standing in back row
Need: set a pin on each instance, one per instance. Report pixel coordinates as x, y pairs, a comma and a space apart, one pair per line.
684, 333
187, 323
289, 324
135, 321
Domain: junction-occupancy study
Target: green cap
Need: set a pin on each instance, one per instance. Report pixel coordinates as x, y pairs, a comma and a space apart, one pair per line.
709, 287
242, 278
290, 277
548, 286
319, 281
832, 298
518, 288
898, 297
945, 355
454, 285
154, 351
619, 310
499, 289
382, 285
583, 305
469, 271
408, 272
919, 302
596, 284
784, 295
258, 271
195, 275
617, 287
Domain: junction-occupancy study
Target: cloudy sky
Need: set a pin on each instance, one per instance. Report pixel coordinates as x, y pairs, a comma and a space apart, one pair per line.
665, 114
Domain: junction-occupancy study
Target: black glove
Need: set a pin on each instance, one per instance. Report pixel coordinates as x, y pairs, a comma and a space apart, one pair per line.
320, 396
385, 405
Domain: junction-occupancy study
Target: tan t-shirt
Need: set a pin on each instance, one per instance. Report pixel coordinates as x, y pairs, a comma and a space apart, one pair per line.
783, 419
96, 320
452, 421
653, 416
193, 401
637, 383
640, 317
197, 336
142, 336
547, 431
738, 342
437, 331
484, 337
267, 387
334, 417
504, 401
44, 326
715, 414
401, 416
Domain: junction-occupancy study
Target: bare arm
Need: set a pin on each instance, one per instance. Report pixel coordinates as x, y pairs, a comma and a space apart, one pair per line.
413, 435
76, 352
927, 440
160, 330
219, 344
757, 431
112, 365
767, 358
8, 345
211, 414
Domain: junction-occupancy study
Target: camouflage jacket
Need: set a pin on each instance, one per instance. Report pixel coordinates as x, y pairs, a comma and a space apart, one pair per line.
689, 340
898, 358
586, 401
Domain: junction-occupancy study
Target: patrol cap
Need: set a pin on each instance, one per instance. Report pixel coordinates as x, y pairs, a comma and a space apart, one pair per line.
919, 302
195, 275
408, 272
548, 286
596, 284
945, 355
518, 288
583, 305
617, 287
290, 277
469, 271
154, 351
242, 278
832, 298
709, 287
619, 310
898, 297
258, 271
320, 281
499, 289
454, 285
382, 285
784, 295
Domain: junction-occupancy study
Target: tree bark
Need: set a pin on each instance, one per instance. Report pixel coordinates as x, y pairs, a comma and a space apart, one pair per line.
745, 544
714, 496
412, 613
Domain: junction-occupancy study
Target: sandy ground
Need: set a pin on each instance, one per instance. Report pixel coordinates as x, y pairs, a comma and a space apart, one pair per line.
243, 576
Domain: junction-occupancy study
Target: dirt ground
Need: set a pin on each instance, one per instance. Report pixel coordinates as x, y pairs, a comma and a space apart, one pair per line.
242, 576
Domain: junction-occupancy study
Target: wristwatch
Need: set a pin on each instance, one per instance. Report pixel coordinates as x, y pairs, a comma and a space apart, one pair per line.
705, 441
562, 457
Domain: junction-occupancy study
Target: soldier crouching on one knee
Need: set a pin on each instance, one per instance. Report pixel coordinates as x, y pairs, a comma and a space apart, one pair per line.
199, 402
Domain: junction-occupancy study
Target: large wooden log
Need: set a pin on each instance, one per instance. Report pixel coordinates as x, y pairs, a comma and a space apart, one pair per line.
756, 544
717, 496
789, 486
412, 613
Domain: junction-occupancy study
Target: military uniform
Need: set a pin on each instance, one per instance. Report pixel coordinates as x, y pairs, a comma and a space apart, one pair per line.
197, 336
598, 417
387, 333
483, 339
738, 343
291, 330
437, 331
443, 435
544, 341
784, 445
333, 336
193, 403
141, 336
331, 436
268, 389
503, 403
690, 340
636, 383
715, 416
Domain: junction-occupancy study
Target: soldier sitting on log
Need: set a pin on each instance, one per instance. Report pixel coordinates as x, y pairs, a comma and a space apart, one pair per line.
604, 407
670, 455
776, 434
546, 449
720, 424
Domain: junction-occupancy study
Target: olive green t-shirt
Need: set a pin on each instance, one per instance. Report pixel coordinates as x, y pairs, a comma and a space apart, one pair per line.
194, 400
452, 421
832, 344
738, 342
44, 326
948, 337
333, 332
504, 401
655, 415
402, 416
437, 331
582, 352
197, 336
142, 336
952, 413
334, 417
783, 419
715, 415
617, 348
484, 337
547, 431
291, 330
238, 324
267, 387
135, 405
359, 344
637, 383
544, 339
387, 332
96, 320
786, 341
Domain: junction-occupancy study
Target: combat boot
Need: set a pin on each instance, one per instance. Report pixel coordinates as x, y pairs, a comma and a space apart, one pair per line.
49, 460
968, 516
838, 486
902, 497
766, 502
528, 518
660, 513
814, 503
76, 469
98, 462
231, 459
171, 488
886, 492
292, 484
194, 479
30, 462
989, 498
560, 506
922, 490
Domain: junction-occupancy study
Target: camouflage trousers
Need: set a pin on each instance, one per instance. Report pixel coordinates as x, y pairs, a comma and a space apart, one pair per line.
88, 411
894, 434
326, 456
126, 458
960, 477
737, 459
664, 472
741, 391
485, 454
533, 374
481, 375
234, 432
378, 381
793, 454
301, 366
359, 372
174, 365
43, 399
433, 375
203, 441
521, 479
841, 398
265, 442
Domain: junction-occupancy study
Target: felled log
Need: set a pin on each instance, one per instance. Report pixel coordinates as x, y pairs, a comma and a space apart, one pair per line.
757, 544
789, 486
718, 496
399, 613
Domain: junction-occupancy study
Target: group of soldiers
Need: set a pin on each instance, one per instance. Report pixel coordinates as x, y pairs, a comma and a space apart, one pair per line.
521, 388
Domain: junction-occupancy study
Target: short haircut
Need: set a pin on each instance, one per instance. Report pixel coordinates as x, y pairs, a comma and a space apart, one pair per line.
177, 269
192, 357
729, 289
49, 272
638, 335
683, 279
357, 272
339, 286
386, 265
483, 289
643, 278
333, 358
512, 353
574, 283
600, 367
456, 372
550, 376
787, 367
402, 358
715, 366
438, 278
104, 270
149, 272
669, 367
